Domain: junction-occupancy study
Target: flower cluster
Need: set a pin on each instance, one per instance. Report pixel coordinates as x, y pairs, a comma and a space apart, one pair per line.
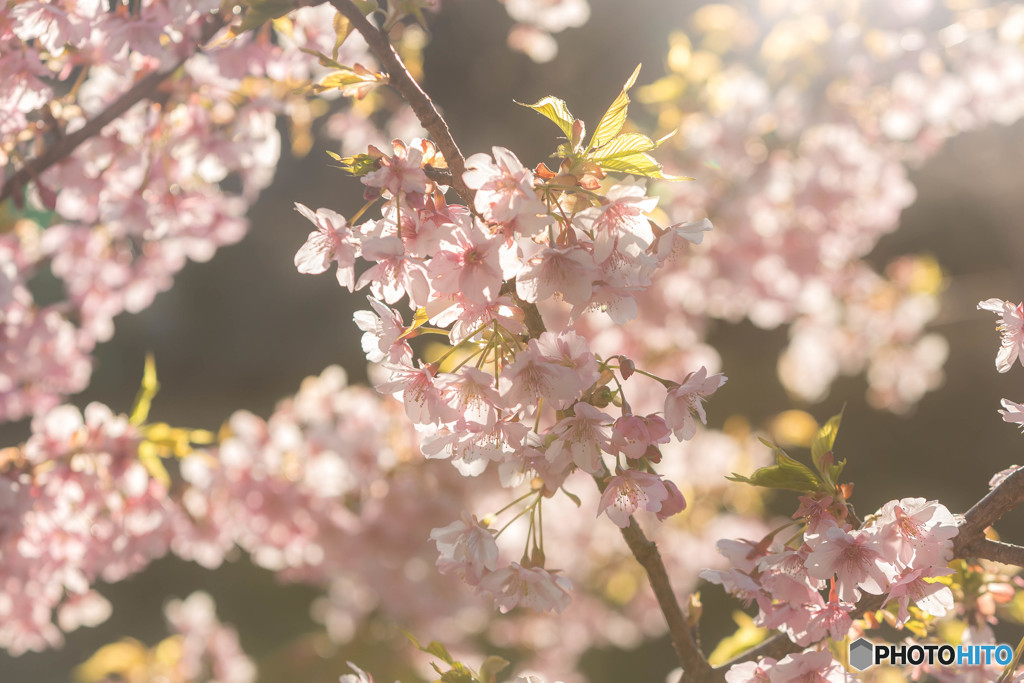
899, 553
801, 148
76, 506
171, 179
532, 251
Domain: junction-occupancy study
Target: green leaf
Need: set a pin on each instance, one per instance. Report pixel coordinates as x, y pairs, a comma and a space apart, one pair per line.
745, 637
638, 163
259, 12
623, 145
366, 6
786, 473
490, 668
358, 165
555, 110
150, 459
457, 675
147, 391
342, 30
440, 651
824, 440
611, 123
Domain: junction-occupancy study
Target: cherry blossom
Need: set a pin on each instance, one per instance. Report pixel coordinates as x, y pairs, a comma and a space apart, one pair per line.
855, 558
466, 547
504, 188
1012, 412
630, 491
582, 437
685, 401
328, 243
400, 173
931, 597
1011, 329
534, 587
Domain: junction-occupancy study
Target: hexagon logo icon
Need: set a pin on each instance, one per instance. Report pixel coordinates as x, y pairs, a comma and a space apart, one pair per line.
862, 654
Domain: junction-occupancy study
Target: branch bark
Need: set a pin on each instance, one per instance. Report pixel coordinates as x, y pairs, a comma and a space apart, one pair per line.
420, 102
143, 89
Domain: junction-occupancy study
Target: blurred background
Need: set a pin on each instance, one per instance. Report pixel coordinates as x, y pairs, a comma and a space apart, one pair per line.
242, 331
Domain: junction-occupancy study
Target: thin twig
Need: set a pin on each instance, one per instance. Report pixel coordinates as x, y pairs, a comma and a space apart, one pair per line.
420, 102
143, 89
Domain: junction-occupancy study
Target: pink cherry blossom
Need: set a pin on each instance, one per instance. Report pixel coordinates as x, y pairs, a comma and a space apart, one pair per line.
531, 587
809, 667
472, 395
468, 263
504, 188
630, 491
467, 548
582, 437
359, 676
633, 435
383, 328
674, 504
686, 401
920, 531
569, 272
932, 597
1011, 329
416, 388
1013, 413
622, 223
751, 672
855, 558
400, 173
533, 376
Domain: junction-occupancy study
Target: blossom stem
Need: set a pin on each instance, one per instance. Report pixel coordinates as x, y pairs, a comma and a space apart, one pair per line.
366, 207
517, 500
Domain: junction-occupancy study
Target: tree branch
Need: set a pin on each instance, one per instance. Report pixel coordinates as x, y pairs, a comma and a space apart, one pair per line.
143, 89
1005, 496
420, 102
684, 636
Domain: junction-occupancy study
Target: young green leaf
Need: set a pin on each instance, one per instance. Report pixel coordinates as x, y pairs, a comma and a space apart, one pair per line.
259, 12
824, 440
555, 110
148, 389
637, 163
786, 473
611, 123
490, 668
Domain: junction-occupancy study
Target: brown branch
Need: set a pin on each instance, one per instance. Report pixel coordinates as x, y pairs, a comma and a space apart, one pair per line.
143, 89
970, 542
1008, 494
684, 636
420, 102
997, 551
